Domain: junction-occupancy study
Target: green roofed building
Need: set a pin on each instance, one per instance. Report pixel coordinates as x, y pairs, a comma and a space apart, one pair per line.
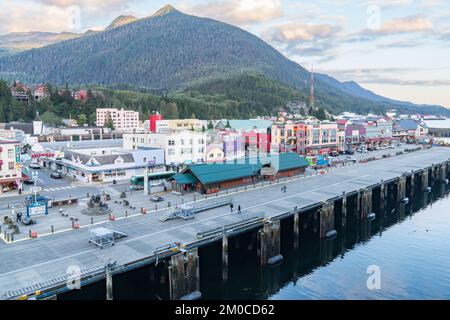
210, 178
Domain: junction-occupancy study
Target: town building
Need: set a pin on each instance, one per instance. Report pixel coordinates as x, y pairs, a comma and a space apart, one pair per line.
10, 168
214, 153
20, 91
285, 136
123, 120
211, 178
379, 131
181, 147
109, 164
40, 92
153, 119
409, 130
320, 137
177, 124
79, 134
438, 128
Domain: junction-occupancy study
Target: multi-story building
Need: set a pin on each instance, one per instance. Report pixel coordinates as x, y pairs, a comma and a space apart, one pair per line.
20, 91
123, 120
10, 170
40, 92
320, 137
408, 129
378, 131
355, 135
179, 124
181, 147
285, 136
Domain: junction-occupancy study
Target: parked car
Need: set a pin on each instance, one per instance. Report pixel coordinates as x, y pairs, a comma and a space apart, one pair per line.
156, 199
56, 175
334, 154
349, 152
28, 181
350, 159
35, 165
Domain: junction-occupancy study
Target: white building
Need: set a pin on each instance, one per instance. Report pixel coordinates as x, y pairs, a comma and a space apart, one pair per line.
109, 164
123, 120
180, 146
10, 170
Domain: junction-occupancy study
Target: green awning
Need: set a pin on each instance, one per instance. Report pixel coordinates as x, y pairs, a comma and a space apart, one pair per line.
185, 178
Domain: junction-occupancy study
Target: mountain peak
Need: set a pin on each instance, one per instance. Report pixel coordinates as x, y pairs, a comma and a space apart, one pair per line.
120, 21
165, 10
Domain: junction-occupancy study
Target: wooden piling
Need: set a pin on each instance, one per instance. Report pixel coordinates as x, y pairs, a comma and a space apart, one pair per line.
270, 243
344, 210
296, 230
326, 222
109, 283
366, 203
224, 256
184, 275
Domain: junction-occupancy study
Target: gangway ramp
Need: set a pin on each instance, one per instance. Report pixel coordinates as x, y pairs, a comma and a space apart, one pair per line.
187, 211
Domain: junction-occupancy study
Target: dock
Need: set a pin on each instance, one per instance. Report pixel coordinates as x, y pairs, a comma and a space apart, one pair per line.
40, 268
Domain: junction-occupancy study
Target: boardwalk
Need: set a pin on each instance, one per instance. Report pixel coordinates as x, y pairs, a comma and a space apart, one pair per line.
24, 264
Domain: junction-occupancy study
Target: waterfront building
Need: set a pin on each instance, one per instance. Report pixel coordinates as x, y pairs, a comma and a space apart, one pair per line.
438, 128
409, 130
108, 164
211, 178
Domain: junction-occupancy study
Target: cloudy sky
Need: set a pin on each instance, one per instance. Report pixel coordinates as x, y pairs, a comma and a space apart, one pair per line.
397, 48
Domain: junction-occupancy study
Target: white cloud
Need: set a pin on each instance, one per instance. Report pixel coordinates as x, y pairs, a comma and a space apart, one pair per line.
237, 11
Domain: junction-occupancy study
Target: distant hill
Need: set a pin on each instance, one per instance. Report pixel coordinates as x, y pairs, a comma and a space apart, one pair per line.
20, 41
175, 51
121, 21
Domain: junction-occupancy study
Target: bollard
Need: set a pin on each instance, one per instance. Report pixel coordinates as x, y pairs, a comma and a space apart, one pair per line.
126, 213
92, 220
53, 229
194, 198
156, 207
29, 233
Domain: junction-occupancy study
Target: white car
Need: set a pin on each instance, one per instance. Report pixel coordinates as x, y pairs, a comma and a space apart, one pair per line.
35, 165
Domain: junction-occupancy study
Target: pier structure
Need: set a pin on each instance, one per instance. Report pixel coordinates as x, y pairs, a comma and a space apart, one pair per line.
327, 197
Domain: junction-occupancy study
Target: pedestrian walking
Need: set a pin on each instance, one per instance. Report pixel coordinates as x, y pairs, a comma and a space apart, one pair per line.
239, 209
231, 207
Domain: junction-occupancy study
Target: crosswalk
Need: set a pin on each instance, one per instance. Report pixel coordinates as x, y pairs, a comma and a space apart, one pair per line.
59, 188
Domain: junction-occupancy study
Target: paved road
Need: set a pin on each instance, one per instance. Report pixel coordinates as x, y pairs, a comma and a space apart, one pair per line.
30, 262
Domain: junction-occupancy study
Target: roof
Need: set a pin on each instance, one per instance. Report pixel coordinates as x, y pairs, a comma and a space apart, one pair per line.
250, 124
101, 159
287, 161
27, 128
216, 172
438, 124
232, 170
185, 178
406, 125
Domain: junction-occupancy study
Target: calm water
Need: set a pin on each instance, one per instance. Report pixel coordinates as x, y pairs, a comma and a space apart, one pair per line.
413, 256
411, 249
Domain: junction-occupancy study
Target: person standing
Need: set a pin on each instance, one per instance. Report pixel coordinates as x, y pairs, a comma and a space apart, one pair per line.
239, 209
231, 207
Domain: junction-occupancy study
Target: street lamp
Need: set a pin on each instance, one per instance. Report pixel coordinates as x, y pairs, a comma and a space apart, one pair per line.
34, 177
147, 186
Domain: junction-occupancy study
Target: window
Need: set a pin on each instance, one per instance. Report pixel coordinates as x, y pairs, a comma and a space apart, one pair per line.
171, 142
10, 153
11, 165
171, 152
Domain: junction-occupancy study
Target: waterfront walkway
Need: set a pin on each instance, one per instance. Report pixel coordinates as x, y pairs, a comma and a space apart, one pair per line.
26, 263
